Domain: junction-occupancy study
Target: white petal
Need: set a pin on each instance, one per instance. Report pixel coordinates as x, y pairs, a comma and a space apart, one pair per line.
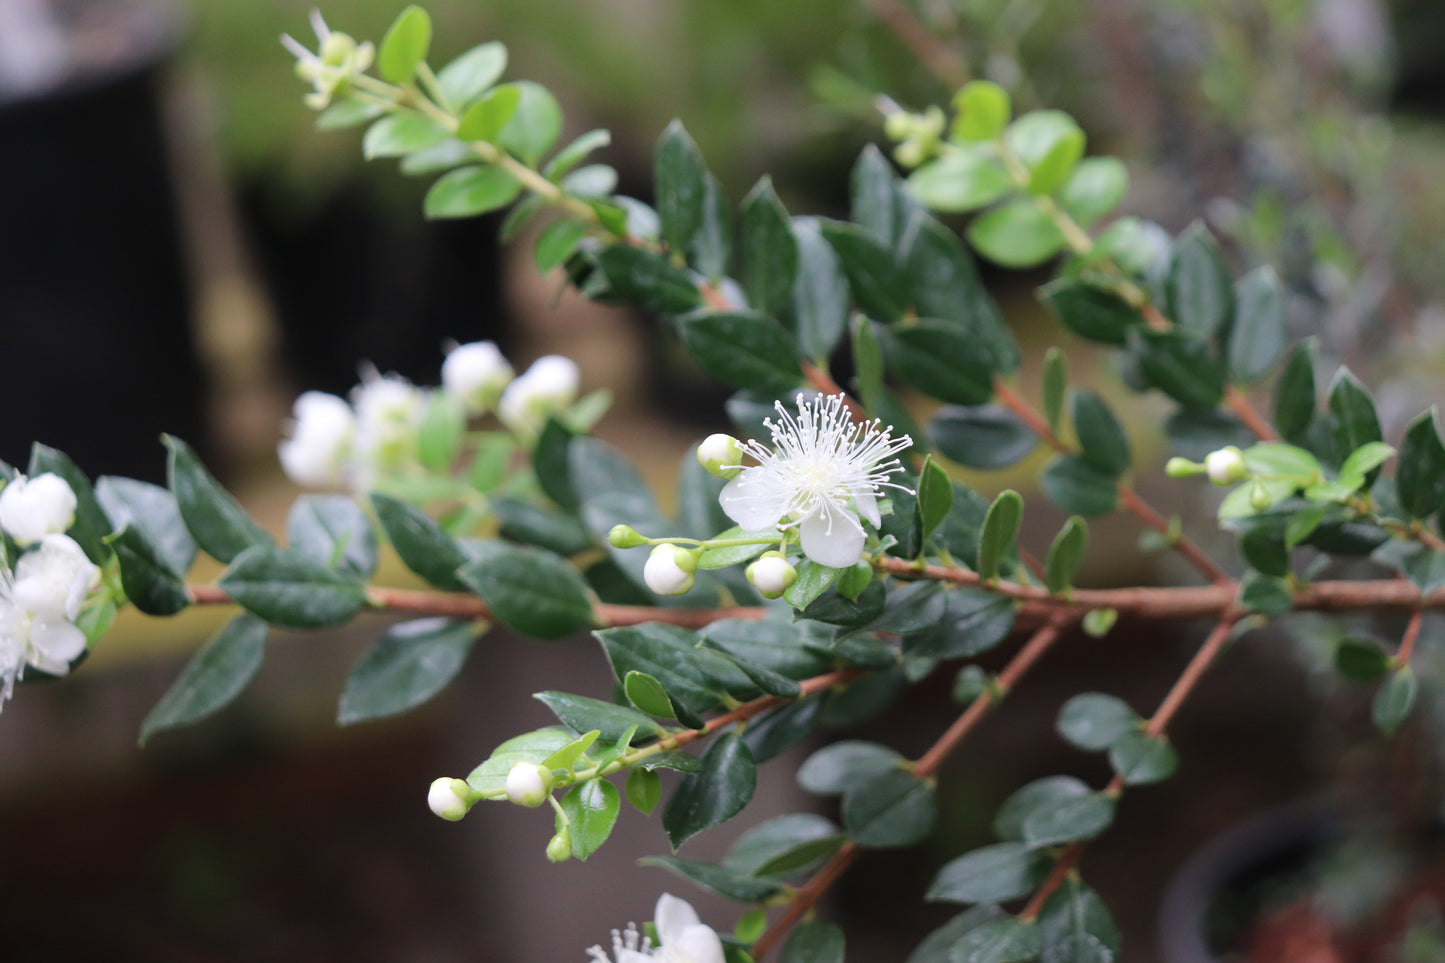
696, 944
673, 916
634, 956
747, 501
867, 506
54, 644
832, 538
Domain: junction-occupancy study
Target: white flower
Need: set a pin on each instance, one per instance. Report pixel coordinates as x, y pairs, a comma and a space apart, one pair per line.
822, 472
1225, 466
684, 938
669, 569
38, 605
54, 579
475, 375
547, 387
316, 453
338, 58
389, 411
528, 784
31, 508
446, 801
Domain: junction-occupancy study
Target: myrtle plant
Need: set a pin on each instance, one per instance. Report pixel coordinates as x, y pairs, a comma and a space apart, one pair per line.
819, 565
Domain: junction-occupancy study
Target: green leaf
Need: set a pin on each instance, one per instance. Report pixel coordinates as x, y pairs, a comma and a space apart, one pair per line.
485, 119
568, 755
1095, 188
556, 244
1077, 926
941, 360
962, 180
438, 157
592, 809
1038, 796
820, 292
1420, 473
681, 183
784, 845
398, 134
1066, 554
533, 129
1394, 700
1141, 758
1421, 564
1049, 143
439, 439
1095, 721
287, 588
467, 77
333, 530
1000, 529
714, 558
879, 205
405, 46
717, 793
1078, 488
213, 677
647, 694
744, 349
813, 942
1259, 335
1361, 660
575, 153
1199, 289
667, 654
982, 111
218, 524
1056, 386
1098, 622
716, 879
710, 250
935, 497
890, 810
469, 191
645, 279
1272, 458
1294, 394
1182, 367
935, 947
974, 622
946, 286
420, 542
490, 777
1015, 234
879, 285
584, 714
1366, 458
835, 769
992, 874
530, 590
152, 511
1101, 438
148, 580
1005, 940
1090, 311
347, 113
643, 789
769, 251
1356, 424
530, 525
987, 437
405, 667
774, 733
1068, 820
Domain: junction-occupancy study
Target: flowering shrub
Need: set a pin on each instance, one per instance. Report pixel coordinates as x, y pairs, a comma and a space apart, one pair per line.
832, 553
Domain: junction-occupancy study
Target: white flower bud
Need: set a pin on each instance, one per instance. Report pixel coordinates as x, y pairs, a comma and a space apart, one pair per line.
547, 387
54, 579
528, 784
1225, 466
321, 435
721, 455
446, 801
389, 411
772, 575
31, 508
475, 375
669, 570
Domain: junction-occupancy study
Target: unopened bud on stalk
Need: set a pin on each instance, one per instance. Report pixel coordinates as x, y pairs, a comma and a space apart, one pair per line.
1182, 468
625, 536
559, 848
721, 455
669, 569
1259, 498
772, 575
476, 374
450, 798
1225, 466
528, 784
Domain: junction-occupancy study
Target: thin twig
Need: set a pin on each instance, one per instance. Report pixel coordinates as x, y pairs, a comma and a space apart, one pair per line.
942, 61
1407, 641
805, 899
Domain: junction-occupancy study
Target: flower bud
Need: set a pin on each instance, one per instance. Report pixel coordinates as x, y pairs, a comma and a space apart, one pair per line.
772, 575
450, 798
910, 153
898, 125
721, 455
669, 569
336, 48
559, 849
475, 374
321, 435
528, 784
1259, 498
547, 387
1182, 468
31, 508
389, 411
54, 579
1225, 466
625, 536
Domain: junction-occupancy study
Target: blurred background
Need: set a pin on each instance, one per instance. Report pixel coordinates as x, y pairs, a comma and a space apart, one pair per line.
181, 251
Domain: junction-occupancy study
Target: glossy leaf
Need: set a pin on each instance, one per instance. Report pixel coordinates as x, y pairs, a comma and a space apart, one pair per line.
1259, 335
744, 349
485, 118
533, 591
213, 677
1068, 820
1361, 660
835, 769
592, 809
645, 279
1142, 758
889, 810
215, 520
1015, 234
469, 191
879, 285
681, 183
534, 126
471, 74
1066, 554
287, 588
406, 666
784, 845
1102, 441
770, 255
1182, 367
992, 874
1056, 386
1090, 311
148, 580
584, 714
1039, 795
816, 941
333, 530
1394, 700
1095, 721
1079, 488
960, 181
820, 291
1000, 529
1356, 423
1420, 475
717, 793
988, 437
982, 110
405, 45
397, 134
716, 879
1200, 291
152, 511
1049, 143
1095, 188
1294, 394
420, 542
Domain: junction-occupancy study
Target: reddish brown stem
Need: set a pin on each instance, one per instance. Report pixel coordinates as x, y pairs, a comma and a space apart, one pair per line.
946, 65
1407, 641
758, 706
1253, 420
824, 382
805, 899
1025, 412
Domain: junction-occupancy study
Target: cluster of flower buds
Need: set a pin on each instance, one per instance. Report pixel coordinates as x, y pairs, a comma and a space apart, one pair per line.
44, 594
1224, 467
918, 135
337, 61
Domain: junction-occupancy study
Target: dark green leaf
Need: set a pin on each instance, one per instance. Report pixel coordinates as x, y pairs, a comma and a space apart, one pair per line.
889, 810
333, 530
1000, 529
1181, 366
1421, 564
408, 665
744, 349
879, 285
1294, 394
1265, 594
820, 292
987, 437
152, 511
711, 248
550, 463
404, 46
946, 285
1066, 554
1355, 421
213, 677
681, 182
420, 542
469, 191
974, 622
592, 807
784, 845
1394, 700
1077, 926
1197, 432
645, 279
1056, 386
287, 588
1361, 660
554, 531
834, 769
1420, 474
993, 874
669, 655
1095, 721
1005, 940
218, 524
1039, 795
935, 497
1265, 549
556, 244
935, 947
774, 733
714, 795
1102, 440
769, 251
467, 77
583, 714
1016, 234
814, 942
1141, 758
1091, 311
716, 879
533, 129
148, 580
835, 608
1068, 820
1201, 294
880, 206
1258, 337
1079, 488
535, 592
